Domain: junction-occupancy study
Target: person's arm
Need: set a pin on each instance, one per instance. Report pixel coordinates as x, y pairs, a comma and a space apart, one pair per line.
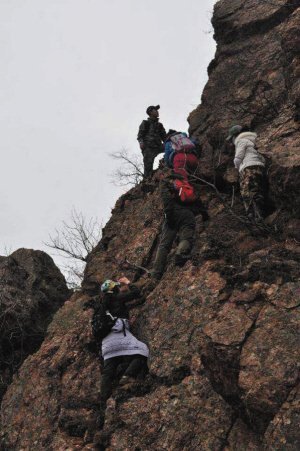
199, 206
163, 133
168, 202
142, 133
132, 293
240, 151
168, 152
237, 163
202, 210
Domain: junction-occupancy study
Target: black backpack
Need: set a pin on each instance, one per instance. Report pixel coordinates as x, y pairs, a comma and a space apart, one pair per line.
102, 322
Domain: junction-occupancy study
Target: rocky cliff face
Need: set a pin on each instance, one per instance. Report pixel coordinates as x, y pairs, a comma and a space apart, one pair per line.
254, 79
223, 331
32, 289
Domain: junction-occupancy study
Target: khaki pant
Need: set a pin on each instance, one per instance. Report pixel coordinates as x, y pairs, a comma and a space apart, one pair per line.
149, 154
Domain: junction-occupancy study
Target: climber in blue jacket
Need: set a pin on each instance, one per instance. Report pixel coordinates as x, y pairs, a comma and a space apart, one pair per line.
182, 162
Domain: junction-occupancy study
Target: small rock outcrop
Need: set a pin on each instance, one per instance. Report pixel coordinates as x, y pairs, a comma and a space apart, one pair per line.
224, 329
32, 289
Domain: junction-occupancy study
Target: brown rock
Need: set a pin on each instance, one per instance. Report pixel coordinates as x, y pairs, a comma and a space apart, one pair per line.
283, 432
32, 289
223, 331
242, 438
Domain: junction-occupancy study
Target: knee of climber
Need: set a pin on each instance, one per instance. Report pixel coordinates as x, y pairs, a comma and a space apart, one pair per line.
186, 232
166, 240
165, 247
184, 247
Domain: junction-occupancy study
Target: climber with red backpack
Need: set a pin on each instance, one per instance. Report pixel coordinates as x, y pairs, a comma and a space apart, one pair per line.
181, 203
181, 153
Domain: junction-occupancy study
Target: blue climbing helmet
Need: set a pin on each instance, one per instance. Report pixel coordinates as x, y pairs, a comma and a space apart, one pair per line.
108, 286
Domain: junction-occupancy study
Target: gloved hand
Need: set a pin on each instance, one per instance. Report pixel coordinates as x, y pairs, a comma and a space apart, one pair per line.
170, 219
237, 163
205, 215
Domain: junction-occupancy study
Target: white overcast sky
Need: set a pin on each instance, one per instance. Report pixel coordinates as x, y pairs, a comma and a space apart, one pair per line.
76, 78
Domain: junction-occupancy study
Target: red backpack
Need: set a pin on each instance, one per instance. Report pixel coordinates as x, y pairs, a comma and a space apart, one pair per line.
184, 191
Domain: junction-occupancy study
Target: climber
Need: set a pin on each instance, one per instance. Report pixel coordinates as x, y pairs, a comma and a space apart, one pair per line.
120, 346
251, 166
181, 153
151, 136
180, 208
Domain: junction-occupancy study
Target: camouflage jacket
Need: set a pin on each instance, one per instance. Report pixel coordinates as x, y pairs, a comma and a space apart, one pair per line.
151, 133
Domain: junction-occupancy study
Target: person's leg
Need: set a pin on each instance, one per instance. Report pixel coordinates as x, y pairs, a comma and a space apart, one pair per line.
253, 189
186, 236
258, 191
136, 366
179, 164
245, 182
165, 246
192, 163
149, 157
107, 375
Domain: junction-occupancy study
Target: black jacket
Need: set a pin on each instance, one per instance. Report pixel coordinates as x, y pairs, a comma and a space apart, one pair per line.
115, 303
170, 200
152, 133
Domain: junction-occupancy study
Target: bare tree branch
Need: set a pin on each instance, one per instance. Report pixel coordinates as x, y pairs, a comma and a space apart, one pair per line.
74, 242
130, 171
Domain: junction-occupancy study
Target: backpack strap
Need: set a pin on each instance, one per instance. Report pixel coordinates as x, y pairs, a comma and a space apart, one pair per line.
124, 328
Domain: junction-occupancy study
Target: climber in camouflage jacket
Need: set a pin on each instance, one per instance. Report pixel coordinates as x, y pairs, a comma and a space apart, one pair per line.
251, 166
151, 136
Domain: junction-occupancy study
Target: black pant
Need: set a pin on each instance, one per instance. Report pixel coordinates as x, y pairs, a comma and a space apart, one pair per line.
149, 155
137, 363
184, 225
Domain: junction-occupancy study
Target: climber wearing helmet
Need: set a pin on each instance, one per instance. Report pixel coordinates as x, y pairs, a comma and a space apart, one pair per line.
251, 166
120, 346
151, 136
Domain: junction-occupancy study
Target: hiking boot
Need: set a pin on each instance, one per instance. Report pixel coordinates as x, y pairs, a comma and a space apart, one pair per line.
155, 275
180, 260
98, 439
126, 381
258, 215
100, 420
88, 436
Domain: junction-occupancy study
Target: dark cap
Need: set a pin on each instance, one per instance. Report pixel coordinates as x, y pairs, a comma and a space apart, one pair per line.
151, 107
234, 131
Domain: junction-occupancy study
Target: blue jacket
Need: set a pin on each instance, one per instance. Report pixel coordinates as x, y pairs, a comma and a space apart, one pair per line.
170, 152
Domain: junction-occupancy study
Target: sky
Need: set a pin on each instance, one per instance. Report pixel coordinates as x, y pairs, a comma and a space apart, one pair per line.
75, 81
